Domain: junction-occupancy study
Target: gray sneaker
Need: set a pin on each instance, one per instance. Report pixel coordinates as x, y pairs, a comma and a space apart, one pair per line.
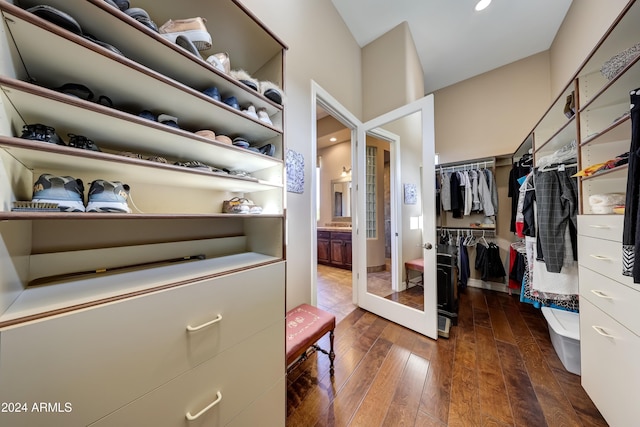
108, 196
66, 191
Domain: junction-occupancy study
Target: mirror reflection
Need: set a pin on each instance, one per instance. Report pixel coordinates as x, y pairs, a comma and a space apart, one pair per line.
394, 208
341, 192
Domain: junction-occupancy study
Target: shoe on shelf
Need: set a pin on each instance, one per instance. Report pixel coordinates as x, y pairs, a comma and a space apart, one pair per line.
232, 102
188, 45
192, 28
40, 132
251, 111
66, 191
142, 17
271, 91
168, 120
146, 114
268, 150
240, 142
108, 196
264, 117
206, 133
220, 62
212, 92
79, 141
245, 78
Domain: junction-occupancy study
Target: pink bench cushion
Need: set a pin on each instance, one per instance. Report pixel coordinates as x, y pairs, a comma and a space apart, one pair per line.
305, 326
416, 264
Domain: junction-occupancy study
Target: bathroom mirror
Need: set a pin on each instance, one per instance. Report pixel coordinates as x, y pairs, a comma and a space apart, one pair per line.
341, 199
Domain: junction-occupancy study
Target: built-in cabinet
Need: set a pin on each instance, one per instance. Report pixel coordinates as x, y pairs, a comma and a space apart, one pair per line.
335, 248
158, 343
600, 129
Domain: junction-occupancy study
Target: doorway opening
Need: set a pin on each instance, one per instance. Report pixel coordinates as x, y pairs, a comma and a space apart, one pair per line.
334, 185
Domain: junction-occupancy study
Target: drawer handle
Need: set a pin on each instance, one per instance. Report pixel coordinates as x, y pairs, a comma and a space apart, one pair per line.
600, 294
599, 226
602, 332
204, 325
601, 257
209, 406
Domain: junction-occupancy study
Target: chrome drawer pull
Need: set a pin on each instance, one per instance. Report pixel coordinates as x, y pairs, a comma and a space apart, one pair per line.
204, 325
599, 226
209, 406
600, 294
601, 257
602, 332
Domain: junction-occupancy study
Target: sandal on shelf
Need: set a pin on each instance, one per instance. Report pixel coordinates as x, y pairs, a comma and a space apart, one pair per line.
40, 132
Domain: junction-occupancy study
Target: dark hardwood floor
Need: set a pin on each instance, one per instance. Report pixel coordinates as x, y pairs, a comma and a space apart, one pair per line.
498, 368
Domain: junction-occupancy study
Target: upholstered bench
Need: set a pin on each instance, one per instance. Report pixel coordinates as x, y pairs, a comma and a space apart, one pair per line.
305, 325
415, 265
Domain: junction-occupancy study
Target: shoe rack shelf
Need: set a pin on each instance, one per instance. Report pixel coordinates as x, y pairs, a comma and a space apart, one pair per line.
156, 75
145, 47
114, 328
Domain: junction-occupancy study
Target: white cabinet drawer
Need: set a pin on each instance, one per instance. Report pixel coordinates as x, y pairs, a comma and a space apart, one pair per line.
603, 256
240, 374
610, 368
269, 410
615, 299
100, 359
607, 227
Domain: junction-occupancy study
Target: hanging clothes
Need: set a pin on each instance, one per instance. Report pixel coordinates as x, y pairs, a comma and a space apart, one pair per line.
465, 271
537, 299
493, 190
484, 194
475, 197
557, 209
631, 230
518, 170
488, 261
445, 191
468, 192
457, 202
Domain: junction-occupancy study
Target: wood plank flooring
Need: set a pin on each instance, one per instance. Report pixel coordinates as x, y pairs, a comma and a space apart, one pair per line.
498, 368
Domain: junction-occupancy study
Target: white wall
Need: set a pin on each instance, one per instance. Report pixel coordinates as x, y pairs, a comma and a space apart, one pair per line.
322, 49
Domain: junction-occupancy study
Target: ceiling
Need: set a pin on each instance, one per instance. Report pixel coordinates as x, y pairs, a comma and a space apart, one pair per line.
454, 42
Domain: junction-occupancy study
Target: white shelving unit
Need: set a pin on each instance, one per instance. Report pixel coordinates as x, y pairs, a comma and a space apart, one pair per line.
237, 290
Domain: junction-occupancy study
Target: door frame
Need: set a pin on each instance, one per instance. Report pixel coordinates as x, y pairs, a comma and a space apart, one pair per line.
320, 96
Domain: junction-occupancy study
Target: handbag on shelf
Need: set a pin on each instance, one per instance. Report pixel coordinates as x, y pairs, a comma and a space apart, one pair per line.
240, 205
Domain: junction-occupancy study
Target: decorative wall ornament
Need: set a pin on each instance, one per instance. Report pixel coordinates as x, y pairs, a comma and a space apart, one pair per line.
410, 194
295, 172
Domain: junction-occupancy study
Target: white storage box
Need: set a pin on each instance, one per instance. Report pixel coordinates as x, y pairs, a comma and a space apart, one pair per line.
564, 329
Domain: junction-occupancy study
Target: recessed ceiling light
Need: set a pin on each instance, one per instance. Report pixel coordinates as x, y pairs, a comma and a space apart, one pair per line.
333, 139
482, 4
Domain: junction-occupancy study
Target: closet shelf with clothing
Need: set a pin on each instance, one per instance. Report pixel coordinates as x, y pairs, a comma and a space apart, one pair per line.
467, 190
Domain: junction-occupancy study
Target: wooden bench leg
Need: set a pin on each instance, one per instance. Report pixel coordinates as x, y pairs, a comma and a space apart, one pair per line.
332, 355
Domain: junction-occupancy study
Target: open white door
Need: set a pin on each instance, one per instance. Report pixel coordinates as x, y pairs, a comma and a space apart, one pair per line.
395, 164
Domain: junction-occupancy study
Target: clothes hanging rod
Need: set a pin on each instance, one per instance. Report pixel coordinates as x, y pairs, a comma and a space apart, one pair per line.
467, 229
469, 165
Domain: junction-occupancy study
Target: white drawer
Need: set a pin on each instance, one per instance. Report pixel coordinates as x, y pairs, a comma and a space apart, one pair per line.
617, 300
102, 358
269, 410
240, 374
607, 227
610, 368
603, 256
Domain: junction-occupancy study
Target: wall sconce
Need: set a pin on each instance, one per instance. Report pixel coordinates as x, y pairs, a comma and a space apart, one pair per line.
345, 171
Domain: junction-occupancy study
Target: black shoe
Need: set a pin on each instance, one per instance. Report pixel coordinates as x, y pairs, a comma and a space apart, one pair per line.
40, 132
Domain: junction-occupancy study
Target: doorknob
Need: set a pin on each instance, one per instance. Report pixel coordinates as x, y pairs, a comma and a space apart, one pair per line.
427, 246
